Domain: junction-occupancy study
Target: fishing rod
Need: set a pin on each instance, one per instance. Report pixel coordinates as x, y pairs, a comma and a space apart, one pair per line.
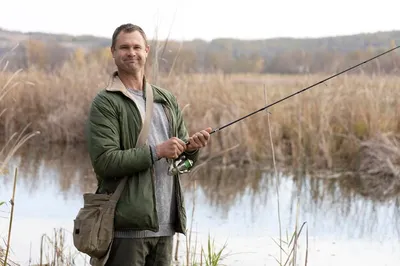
183, 165
302, 90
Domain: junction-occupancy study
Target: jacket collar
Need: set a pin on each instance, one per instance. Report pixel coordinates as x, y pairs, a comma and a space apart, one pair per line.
115, 85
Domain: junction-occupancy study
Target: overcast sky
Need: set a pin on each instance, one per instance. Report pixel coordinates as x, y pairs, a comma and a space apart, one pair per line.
205, 19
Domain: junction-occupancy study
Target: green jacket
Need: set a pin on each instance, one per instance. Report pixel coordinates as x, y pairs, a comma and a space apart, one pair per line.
113, 127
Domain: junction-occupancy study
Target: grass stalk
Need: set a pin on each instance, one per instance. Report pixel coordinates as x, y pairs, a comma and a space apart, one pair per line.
292, 254
276, 176
176, 248
306, 258
213, 257
190, 255
12, 202
295, 235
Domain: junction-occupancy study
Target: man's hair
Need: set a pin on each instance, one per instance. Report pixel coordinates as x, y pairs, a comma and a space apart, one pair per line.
127, 28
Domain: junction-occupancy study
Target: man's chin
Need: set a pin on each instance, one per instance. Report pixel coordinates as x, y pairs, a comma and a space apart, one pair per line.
132, 70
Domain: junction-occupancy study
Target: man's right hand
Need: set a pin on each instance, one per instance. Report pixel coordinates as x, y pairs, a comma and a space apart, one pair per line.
170, 149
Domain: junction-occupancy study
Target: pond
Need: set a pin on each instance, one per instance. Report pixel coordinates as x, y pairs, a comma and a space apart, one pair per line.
236, 206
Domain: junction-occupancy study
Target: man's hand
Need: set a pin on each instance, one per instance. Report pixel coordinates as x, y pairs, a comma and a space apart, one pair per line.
198, 140
170, 149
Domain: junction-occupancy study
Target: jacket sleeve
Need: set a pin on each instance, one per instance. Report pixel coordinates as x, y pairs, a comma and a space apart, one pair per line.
103, 138
183, 134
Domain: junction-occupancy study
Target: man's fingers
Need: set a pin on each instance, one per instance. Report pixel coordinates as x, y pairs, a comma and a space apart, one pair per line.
191, 141
179, 145
181, 149
207, 132
180, 141
196, 141
203, 137
199, 140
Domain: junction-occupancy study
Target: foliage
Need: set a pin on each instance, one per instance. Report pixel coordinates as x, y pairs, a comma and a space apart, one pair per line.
279, 55
213, 256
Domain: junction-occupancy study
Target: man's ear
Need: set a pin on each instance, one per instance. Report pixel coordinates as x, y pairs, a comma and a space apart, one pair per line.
112, 49
147, 49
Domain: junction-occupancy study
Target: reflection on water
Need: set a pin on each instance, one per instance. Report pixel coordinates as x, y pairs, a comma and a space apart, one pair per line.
329, 205
234, 205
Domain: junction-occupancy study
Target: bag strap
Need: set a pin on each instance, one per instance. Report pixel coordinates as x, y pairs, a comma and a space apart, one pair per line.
144, 132
149, 112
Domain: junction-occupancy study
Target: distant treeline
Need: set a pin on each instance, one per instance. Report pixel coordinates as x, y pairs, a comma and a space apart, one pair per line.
281, 55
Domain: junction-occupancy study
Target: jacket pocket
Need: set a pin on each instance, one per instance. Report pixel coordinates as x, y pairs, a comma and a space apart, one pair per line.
136, 208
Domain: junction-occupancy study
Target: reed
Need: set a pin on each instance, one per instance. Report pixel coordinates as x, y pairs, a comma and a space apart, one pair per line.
54, 250
7, 150
327, 127
324, 125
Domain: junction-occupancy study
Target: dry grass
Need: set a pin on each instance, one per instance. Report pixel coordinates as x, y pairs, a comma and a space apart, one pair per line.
55, 104
326, 127
55, 251
7, 150
377, 169
323, 125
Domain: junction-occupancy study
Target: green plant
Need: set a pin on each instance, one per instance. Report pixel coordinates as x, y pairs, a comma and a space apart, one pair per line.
213, 256
291, 245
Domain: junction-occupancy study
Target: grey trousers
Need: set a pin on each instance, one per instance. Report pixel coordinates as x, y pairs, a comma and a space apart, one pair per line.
150, 251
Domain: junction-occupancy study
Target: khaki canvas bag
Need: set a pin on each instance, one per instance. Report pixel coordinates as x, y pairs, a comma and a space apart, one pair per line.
93, 230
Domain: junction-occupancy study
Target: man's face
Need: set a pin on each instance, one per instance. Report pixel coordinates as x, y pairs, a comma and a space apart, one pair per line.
130, 52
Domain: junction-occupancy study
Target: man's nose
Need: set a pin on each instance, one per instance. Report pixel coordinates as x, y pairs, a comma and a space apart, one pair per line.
132, 52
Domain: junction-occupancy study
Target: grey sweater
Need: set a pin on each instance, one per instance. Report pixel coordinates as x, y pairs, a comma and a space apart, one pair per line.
164, 184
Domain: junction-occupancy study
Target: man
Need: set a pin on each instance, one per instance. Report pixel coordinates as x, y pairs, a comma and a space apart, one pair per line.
151, 208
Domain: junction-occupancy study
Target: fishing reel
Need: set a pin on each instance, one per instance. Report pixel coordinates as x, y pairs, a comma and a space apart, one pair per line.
180, 166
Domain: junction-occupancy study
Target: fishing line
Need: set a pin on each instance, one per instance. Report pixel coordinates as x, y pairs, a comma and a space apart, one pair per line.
301, 91
183, 165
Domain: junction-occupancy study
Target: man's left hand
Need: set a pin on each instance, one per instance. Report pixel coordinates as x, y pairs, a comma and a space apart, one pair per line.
198, 140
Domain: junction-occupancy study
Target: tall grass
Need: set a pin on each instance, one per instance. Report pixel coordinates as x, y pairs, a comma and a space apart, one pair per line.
334, 118
326, 125
7, 150
53, 249
292, 243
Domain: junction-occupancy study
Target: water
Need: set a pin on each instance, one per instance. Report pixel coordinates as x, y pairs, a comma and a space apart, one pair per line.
234, 206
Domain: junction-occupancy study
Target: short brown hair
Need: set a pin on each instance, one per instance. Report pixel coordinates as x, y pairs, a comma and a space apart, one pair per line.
127, 28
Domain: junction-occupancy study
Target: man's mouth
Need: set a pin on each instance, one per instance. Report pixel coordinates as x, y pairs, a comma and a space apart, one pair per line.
131, 61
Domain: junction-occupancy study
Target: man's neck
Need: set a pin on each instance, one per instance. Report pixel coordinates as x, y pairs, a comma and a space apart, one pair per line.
132, 81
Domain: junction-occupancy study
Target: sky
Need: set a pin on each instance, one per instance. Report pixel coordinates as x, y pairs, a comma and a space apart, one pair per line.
205, 19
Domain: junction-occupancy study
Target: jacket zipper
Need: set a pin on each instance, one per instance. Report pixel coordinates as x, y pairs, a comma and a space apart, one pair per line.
151, 170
